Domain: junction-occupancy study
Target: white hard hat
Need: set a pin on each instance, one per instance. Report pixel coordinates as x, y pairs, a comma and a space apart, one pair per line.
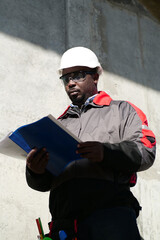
79, 56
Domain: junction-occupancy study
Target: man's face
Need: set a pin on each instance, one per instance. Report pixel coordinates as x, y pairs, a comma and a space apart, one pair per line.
78, 92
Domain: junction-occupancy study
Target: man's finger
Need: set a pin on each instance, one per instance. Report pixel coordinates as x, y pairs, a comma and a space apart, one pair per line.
36, 156
31, 155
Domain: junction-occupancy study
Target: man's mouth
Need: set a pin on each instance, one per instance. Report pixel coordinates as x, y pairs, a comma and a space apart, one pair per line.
73, 92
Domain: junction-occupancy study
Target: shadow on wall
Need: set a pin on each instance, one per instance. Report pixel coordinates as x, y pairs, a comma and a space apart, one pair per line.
40, 22
153, 6
44, 23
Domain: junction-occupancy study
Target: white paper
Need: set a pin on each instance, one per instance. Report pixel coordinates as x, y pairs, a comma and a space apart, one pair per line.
9, 148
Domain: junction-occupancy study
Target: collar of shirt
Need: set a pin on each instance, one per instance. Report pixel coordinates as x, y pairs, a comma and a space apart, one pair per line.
88, 101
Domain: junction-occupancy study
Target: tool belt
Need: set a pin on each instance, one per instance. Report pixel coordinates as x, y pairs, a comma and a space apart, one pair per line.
67, 227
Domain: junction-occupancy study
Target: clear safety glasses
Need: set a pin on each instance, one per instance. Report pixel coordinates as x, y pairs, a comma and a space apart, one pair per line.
78, 76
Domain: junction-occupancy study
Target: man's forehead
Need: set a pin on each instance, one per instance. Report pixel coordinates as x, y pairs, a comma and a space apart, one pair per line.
74, 69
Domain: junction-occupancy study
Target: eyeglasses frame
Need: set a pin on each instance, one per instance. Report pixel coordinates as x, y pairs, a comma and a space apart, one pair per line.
77, 80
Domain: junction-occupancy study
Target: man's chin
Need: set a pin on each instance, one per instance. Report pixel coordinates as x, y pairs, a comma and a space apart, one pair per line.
77, 100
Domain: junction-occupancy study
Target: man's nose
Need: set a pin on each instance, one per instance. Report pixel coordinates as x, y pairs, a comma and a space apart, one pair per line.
71, 82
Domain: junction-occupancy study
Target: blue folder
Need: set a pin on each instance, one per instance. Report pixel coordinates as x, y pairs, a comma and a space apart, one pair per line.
49, 133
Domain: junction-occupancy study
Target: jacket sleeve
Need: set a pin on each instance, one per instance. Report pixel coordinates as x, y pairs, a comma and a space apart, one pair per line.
137, 148
39, 182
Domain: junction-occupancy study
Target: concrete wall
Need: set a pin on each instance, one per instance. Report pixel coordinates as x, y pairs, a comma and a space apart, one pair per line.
33, 35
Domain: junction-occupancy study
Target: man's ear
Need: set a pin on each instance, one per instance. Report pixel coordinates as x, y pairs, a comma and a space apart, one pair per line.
96, 77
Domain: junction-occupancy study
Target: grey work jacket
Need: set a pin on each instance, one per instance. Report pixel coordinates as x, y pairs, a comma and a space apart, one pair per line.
129, 144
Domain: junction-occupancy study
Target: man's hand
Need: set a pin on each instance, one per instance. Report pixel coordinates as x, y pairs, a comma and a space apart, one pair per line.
37, 160
91, 150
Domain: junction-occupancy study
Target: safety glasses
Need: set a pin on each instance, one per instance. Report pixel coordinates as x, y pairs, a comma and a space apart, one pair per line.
78, 76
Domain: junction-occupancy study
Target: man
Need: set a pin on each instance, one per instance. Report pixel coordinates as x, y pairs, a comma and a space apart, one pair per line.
91, 199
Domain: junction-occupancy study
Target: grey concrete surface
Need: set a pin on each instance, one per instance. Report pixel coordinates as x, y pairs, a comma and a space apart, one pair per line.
40, 22
33, 35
